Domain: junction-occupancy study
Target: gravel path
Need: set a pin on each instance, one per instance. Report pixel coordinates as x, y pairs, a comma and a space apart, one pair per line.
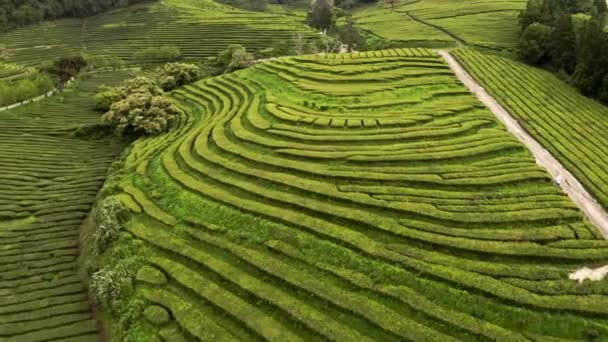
569, 184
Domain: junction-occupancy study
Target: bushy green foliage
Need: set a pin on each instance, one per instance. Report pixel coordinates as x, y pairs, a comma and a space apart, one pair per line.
108, 217
321, 15
235, 57
570, 38
533, 43
106, 96
65, 67
30, 86
164, 53
103, 61
174, 75
108, 285
141, 113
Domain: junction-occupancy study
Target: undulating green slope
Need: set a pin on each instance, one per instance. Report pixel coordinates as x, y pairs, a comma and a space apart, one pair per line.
486, 23
48, 181
199, 28
352, 197
571, 126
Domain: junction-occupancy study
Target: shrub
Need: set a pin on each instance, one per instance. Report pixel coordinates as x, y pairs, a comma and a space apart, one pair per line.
164, 53
141, 113
103, 61
235, 57
108, 216
106, 97
108, 285
175, 75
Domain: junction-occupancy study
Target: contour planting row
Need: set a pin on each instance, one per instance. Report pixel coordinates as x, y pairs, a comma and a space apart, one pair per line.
121, 33
488, 23
49, 180
439, 221
569, 125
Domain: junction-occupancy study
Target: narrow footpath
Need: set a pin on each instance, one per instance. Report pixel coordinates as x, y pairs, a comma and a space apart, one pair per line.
569, 184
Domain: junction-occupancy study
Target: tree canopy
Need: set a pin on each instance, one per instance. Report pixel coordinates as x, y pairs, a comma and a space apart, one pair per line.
568, 36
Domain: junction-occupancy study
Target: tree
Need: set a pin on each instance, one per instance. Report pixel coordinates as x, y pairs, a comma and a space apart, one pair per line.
141, 113
66, 67
107, 96
532, 13
175, 75
321, 15
392, 3
350, 36
533, 44
234, 57
562, 44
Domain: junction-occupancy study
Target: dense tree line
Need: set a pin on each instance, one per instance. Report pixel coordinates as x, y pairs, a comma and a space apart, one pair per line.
15, 13
568, 36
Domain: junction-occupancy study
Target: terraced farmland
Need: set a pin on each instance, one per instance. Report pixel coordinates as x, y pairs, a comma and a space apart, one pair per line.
489, 24
10, 71
198, 28
47, 184
572, 127
354, 197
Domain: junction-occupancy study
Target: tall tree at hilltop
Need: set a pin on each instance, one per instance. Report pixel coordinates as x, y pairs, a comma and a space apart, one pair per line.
321, 15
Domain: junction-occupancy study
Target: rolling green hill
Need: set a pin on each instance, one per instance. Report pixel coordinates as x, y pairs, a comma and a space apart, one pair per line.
488, 24
199, 28
351, 197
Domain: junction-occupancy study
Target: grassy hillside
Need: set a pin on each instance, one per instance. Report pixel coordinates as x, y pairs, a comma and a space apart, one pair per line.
351, 197
47, 184
572, 127
199, 28
490, 24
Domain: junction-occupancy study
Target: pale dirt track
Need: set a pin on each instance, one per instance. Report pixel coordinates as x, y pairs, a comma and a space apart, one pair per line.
569, 184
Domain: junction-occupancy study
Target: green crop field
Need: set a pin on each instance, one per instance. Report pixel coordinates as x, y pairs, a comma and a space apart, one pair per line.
11, 71
489, 24
352, 197
199, 28
48, 181
571, 126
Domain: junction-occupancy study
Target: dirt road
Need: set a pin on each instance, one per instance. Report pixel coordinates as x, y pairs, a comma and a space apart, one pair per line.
569, 184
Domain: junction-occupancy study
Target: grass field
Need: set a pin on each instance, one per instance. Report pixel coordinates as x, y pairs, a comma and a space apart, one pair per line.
352, 197
489, 24
199, 28
571, 126
48, 181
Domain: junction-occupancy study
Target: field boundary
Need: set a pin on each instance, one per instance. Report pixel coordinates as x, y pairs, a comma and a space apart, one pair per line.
569, 184
37, 98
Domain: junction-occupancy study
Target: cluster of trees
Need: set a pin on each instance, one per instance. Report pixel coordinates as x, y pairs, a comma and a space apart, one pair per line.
570, 37
138, 105
15, 13
323, 16
234, 57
